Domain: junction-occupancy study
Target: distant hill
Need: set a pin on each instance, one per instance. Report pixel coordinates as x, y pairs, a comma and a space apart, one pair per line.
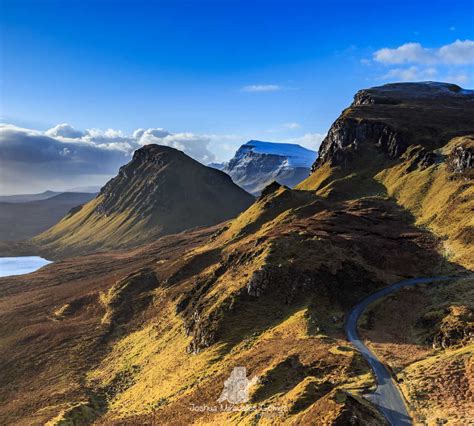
25, 198
161, 191
24, 219
90, 189
256, 164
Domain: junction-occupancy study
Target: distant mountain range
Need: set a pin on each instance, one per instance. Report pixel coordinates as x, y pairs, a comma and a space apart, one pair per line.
24, 216
25, 198
160, 191
256, 164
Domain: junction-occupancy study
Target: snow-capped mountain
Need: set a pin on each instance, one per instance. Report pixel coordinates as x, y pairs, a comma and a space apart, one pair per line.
257, 163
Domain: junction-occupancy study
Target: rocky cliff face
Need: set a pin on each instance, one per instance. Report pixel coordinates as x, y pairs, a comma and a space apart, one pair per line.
256, 164
160, 191
410, 141
346, 136
395, 116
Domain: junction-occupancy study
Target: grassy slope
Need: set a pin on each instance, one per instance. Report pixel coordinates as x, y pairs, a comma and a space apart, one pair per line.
285, 344
319, 257
93, 232
439, 201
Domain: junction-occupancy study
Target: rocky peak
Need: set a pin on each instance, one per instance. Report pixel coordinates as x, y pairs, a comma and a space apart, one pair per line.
156, 178
138, 182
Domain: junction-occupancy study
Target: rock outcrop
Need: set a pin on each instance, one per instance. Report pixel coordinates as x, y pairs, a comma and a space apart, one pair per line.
461, 160
451, 327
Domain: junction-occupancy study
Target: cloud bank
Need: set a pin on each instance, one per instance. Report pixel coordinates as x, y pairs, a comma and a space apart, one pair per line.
63, 157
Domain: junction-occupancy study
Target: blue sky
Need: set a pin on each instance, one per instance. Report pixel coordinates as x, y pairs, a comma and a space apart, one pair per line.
223, 71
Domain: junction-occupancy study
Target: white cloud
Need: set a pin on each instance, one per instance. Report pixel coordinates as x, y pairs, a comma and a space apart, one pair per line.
412, 73
64, 131
192, 144
457, 53
146, 136
408, 52
31, 160
255, 88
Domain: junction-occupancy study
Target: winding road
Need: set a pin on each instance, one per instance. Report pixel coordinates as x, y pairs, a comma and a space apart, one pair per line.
387, 397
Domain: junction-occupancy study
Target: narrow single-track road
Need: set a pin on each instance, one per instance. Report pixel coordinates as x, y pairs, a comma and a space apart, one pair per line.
387, 397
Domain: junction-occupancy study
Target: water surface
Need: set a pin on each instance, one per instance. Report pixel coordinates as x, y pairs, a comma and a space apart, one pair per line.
20, 265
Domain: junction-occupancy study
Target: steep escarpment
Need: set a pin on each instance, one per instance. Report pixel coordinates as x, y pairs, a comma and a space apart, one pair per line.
395, 116
412, 142
160, 191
